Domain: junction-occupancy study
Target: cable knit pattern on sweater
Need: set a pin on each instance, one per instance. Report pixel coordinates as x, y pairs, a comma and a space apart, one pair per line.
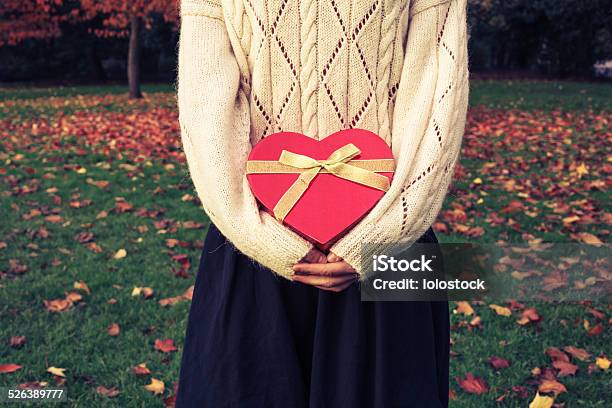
248, 68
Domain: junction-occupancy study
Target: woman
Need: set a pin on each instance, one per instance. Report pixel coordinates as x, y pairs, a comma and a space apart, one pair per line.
274, 322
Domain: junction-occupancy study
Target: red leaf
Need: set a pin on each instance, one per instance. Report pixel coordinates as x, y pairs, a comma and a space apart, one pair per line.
165, 346
498, 362
473, 385
596, 330
565, 368
580, 354
556, 355
9, 368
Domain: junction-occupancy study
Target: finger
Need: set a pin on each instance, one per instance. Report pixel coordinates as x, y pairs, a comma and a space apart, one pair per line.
314, 256
323, 269
338, 288
333, 258
324, 281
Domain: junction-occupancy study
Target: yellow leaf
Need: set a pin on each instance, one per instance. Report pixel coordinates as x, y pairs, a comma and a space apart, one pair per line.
147, 292
477, 180
464, 308
74, 296
572, 219
582, 170
57, 371
81, 285
122, 253
156, 386
541, 401
602, 362
500, 310
589, 239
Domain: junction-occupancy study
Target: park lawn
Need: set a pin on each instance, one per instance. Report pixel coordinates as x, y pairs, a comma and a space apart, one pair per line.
74, 211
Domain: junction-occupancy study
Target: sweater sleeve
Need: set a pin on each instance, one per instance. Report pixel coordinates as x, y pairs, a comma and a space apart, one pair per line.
427, 129
215, 125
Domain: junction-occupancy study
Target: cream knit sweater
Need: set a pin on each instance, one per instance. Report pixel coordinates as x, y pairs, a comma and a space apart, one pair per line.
248, 68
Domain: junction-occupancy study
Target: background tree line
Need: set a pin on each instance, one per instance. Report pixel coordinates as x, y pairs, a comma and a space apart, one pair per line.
93, 40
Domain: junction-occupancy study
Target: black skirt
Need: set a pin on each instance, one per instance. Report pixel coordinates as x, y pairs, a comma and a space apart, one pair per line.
255, 339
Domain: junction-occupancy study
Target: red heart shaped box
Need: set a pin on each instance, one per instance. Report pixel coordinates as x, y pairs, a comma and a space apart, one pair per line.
331, 205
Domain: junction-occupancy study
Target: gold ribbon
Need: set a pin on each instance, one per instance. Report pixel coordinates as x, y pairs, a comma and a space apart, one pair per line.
360, 171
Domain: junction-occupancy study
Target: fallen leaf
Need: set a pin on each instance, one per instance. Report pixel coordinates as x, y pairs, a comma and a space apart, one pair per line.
57, 305
500, 310
596, 330
74, 297
498, 362
54, 218
552, 386
17, 341
465, 308
57, 371
156, 386
565, 368
603, 363
147, 292
554, 280
113, 330
528, 315
82, 286
541, 401
141, 369
588, 238
107, 392
9, 368
121, 253
165, 346
556, 355
580, 354
473, 385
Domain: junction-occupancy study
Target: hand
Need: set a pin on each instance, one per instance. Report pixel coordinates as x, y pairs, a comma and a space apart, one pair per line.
330, 273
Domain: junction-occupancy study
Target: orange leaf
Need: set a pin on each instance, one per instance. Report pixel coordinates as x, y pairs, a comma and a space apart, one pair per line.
500, 310
113, 330
565, 368
57, 305
141, 369
9, 368
107, 392
552, 386
473, 385
580, 354
464, 308
556, 355
165, 346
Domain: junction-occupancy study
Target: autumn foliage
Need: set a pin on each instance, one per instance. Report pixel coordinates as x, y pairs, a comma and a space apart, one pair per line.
117, 14
24, 19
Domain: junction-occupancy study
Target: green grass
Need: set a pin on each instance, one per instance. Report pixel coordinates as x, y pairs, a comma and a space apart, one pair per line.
30, 92
527, 95
77, 339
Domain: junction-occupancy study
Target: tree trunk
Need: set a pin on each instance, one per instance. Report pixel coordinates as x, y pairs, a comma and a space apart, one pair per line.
134, 57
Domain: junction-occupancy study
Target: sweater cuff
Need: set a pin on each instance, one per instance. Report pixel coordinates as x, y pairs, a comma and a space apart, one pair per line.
204, 8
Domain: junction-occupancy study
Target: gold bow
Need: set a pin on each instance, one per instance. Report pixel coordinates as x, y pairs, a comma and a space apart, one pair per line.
359, 171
